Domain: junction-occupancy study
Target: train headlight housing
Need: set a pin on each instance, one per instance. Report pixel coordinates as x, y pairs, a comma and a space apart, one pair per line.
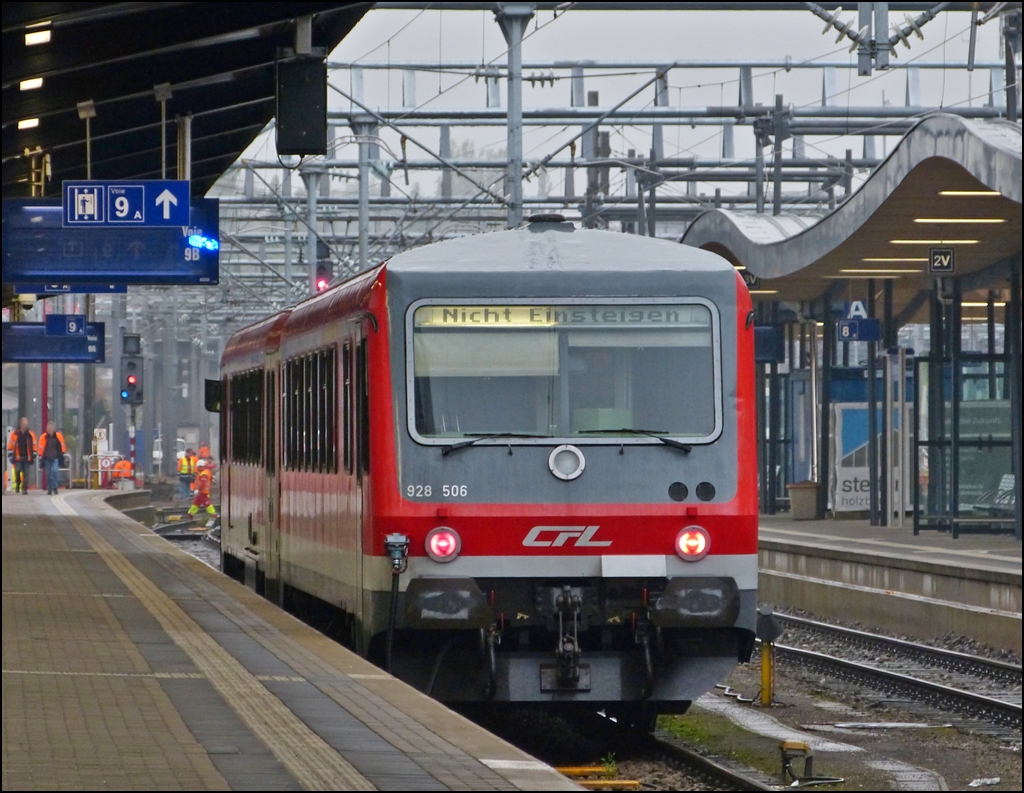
566, 462
443, 544
693, 543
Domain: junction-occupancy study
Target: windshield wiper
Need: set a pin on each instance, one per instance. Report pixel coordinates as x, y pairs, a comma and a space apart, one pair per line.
659, 434
485, 436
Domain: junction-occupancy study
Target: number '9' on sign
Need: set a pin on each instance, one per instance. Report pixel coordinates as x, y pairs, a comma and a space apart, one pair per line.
126, 204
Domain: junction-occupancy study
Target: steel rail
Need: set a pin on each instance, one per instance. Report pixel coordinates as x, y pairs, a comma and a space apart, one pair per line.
706, 765
967, 702
947, 659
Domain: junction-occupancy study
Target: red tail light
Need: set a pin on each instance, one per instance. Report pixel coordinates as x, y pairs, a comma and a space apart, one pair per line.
693, 543
443, 544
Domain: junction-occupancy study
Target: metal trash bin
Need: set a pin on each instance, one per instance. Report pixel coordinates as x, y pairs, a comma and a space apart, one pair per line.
803, 500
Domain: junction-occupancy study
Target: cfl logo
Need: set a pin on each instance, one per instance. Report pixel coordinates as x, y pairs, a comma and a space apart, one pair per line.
584, 536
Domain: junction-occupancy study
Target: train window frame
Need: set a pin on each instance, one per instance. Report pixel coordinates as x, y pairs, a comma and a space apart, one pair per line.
346, 385
245, 434
309, 414
578, 440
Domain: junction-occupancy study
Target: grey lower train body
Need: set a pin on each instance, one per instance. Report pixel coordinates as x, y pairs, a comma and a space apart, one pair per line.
595, 643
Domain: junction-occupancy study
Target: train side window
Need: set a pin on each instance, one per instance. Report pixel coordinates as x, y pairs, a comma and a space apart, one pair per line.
362, 407
307, 414
269, 433
331, 398
321, 419
346, 405
223, 449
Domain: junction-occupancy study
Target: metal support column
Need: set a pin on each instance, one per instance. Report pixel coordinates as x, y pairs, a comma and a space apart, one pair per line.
1012, 344
936, 503
512, 19
872, 414
956, 344
184, 147
777, 163
885, 461
363, 128
990, 326
824, 451
312, 182
774, 422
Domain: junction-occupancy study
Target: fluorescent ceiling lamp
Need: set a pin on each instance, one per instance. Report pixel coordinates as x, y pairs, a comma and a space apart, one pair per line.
740, 267
31, 84
895, 259
933, 242
865, 270
959, 220
28, 123
983, 305
37, 37
889, 274
764, 291
969, 192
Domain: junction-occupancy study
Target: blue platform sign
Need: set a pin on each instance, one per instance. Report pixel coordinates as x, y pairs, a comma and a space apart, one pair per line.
69, 289
38, 248
93, 204
65, 324
859, 330
28, 342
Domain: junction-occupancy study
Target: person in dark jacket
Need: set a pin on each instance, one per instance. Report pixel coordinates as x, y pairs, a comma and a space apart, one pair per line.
51, 451
21, 449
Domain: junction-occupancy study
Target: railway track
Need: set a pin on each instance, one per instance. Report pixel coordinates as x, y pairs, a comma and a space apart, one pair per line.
718, 775
971, 685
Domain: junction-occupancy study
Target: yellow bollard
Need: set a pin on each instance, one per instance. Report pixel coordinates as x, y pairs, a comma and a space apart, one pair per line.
767, 673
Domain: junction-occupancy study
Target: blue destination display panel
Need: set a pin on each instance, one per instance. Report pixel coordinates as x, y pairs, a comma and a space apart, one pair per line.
28, 342
38, 248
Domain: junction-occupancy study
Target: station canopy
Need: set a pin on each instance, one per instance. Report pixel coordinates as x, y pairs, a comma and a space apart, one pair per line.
216, 59
949, 182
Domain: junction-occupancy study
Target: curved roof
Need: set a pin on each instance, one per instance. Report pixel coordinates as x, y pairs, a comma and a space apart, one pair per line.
941, 153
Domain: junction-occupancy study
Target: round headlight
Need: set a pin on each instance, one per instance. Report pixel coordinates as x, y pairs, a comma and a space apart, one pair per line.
443, 544
693, 543
566, 462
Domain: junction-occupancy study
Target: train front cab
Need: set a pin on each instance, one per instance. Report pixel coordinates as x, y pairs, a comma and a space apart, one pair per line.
629, 584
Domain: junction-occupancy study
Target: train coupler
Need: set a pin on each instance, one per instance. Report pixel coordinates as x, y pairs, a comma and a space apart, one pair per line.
567, 673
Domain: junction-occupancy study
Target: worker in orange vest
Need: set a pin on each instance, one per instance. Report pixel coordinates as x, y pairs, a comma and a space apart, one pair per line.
21, 451
52, 449
203, 483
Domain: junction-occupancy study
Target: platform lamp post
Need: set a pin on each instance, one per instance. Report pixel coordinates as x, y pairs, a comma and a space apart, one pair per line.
87, 112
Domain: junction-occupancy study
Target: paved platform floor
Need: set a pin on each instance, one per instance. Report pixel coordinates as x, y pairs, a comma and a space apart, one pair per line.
128, 664
999, 552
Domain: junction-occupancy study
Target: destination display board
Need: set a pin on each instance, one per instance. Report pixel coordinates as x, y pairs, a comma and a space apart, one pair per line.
29, 342
39, 248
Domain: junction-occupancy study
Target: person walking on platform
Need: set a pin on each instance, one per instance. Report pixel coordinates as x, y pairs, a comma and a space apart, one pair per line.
186, 473
51, 451
204, 480
21, 449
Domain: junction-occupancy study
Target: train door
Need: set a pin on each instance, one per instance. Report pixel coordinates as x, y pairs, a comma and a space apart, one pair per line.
360, 466
273, 587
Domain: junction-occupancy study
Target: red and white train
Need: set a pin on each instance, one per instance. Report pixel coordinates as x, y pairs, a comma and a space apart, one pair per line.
513, 467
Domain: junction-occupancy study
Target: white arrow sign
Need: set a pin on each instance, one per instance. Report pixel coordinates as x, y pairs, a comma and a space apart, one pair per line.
166, 199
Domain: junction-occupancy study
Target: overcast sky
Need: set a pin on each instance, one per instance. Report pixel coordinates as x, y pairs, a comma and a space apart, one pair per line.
439, 36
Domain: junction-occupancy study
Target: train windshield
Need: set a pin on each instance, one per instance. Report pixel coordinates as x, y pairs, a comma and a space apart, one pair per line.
564, 371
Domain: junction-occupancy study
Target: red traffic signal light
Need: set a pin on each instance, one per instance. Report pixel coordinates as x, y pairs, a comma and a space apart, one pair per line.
323, 276
132, 379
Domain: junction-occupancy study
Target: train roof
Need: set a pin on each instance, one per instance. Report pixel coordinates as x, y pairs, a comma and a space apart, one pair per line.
247, 346
554, 247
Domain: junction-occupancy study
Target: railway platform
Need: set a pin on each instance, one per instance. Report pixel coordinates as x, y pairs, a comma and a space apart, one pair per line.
128, 664
924, 586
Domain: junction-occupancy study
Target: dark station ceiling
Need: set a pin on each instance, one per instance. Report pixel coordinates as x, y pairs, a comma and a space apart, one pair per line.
217, 57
